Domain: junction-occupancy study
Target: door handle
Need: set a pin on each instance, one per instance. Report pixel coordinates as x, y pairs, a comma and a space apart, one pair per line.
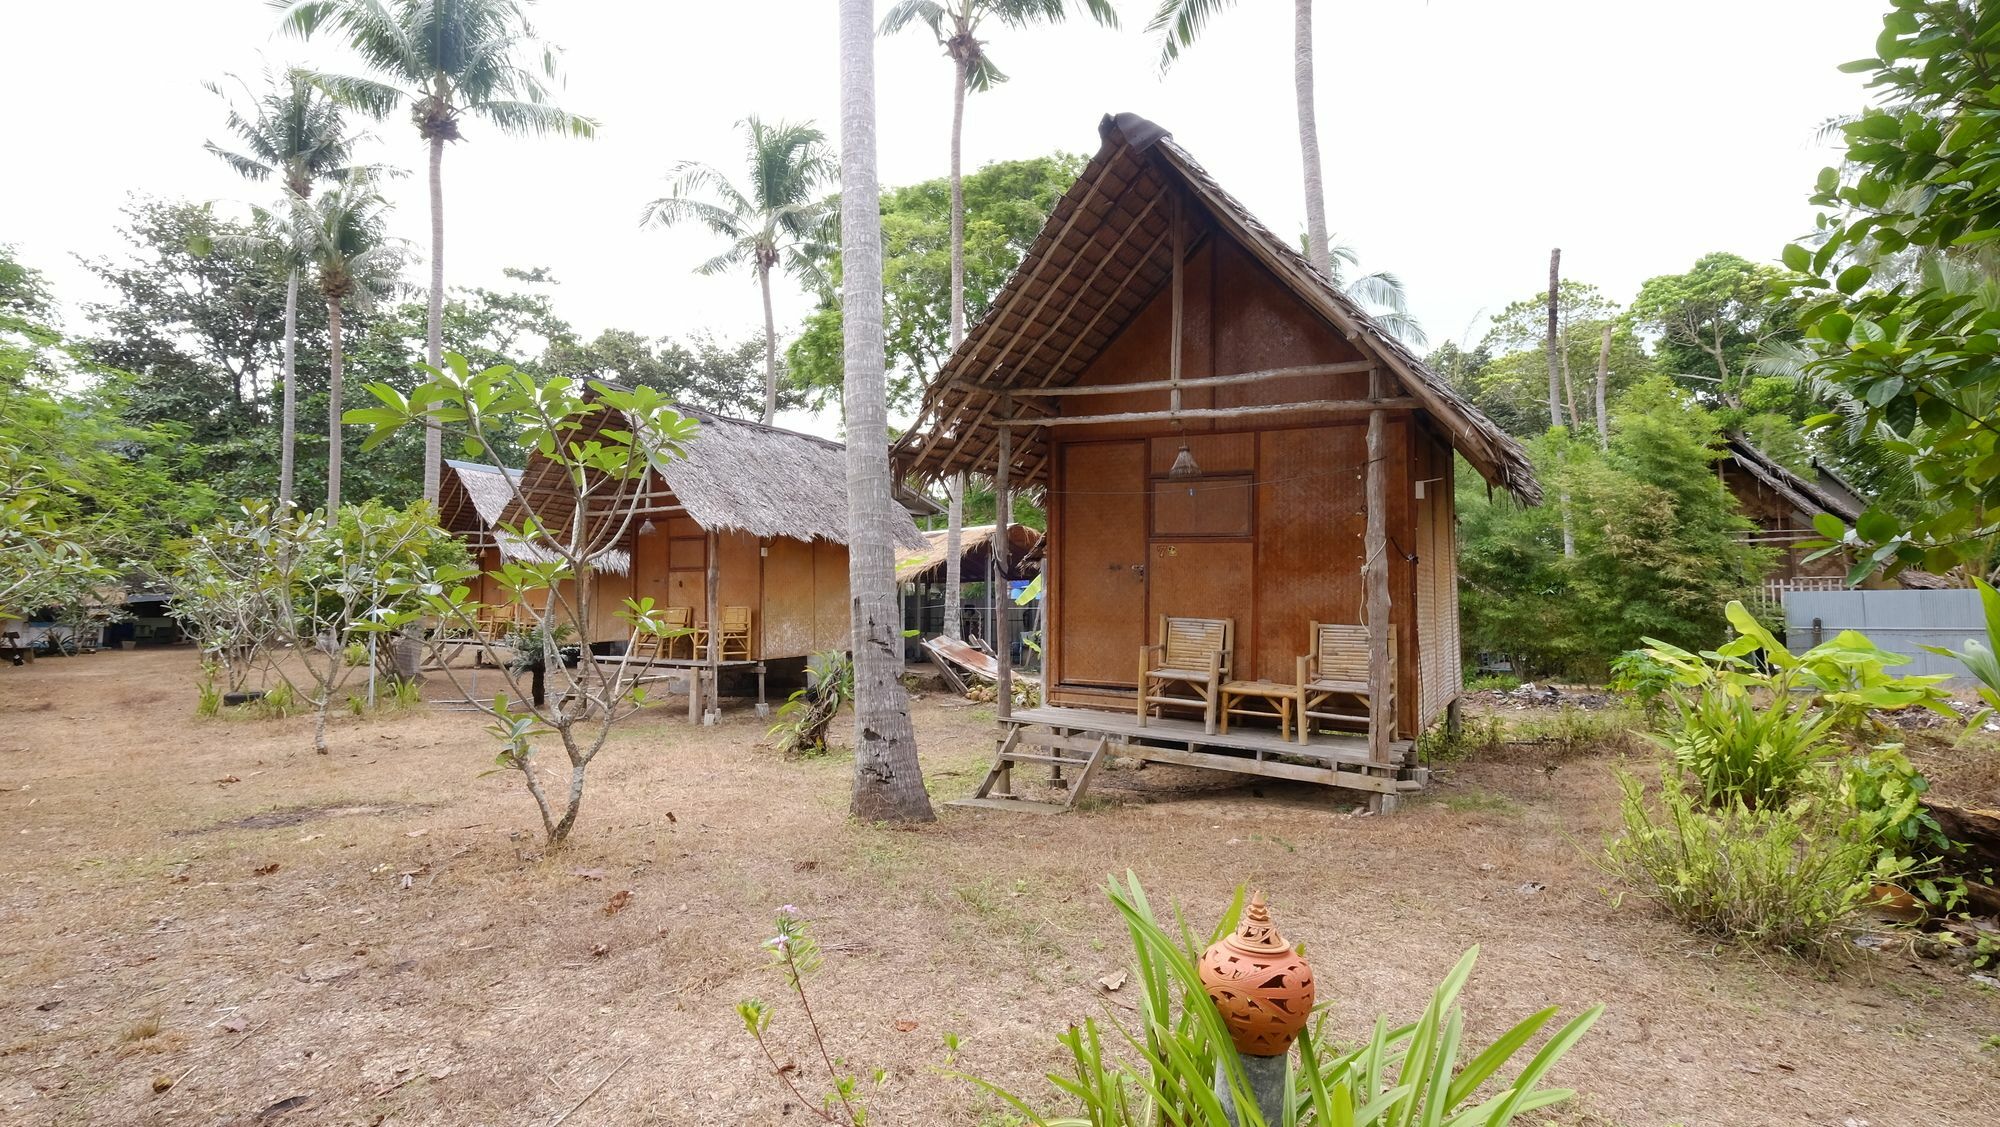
1139, 570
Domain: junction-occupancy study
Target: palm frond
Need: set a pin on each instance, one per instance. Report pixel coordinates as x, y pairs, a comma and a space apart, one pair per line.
668, 211
743, 250
900, 16
691, 176
1178, 23
533, 119
1380, 288
371, 96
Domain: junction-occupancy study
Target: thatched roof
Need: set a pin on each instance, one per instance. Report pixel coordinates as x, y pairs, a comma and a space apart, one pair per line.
975, 549
1825, 492
1105, 254
472, 499
737, 476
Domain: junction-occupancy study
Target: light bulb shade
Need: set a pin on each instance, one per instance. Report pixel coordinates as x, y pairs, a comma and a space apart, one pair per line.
1184, 465
647, 528
1261, 985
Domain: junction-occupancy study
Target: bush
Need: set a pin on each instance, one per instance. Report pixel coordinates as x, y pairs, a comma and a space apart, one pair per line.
1883, 792
1787, 877
1405, 1074
1737, 751
807, 715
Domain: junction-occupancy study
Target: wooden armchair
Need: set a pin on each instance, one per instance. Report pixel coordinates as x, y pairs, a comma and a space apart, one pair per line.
495, 622
735, 635
1192, 654
1333, 679
675, 633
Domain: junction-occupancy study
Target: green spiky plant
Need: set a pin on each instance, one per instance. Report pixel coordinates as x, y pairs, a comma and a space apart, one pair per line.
1165, 1071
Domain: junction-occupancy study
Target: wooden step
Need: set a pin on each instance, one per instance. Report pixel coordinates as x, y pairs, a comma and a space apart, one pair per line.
1059, 760
1020, 805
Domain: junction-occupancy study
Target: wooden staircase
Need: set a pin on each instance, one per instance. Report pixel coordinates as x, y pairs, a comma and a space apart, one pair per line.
1040, 745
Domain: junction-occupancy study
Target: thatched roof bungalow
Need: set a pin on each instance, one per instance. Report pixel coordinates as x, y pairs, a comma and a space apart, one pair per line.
1782, 503
1222, 433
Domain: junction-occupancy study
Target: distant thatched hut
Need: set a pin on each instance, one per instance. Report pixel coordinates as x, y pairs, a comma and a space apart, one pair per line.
1782, 503
921, 572
752, 516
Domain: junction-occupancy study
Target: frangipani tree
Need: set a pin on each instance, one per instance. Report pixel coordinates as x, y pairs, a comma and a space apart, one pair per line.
600, 475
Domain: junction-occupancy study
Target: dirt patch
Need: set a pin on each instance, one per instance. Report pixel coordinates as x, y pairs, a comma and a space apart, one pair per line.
423, 962
297, 815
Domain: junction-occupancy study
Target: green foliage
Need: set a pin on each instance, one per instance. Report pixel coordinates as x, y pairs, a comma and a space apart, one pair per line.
1978, 657
1901, 305
1786, 876
1739, 751
796, 955
1659, 544
1405, 1075
1883, 791
808, 714
279, 702
1006, 204
1712, 319
208, 694
1507, 376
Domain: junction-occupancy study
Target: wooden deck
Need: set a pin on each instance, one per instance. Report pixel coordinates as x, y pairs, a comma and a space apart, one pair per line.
1331, 760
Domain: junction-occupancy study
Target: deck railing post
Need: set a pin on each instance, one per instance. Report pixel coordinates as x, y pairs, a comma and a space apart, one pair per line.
1375, 572
712, 681
1003, 513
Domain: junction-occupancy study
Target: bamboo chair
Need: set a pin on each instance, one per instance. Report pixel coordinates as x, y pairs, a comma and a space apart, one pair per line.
1193, 654
1335, 677
735, 635
674, 633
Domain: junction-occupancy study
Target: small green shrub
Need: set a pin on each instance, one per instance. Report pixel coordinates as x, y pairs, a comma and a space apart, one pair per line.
807, 715
406, 692
357, 704
1883, 791
1737, 751
208, 694
278, 702
1495, 682
1786, 876
1644, 678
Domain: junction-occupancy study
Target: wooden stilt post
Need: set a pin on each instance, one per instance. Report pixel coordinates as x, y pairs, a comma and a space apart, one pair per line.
712, 681
1375, 570
1003, 511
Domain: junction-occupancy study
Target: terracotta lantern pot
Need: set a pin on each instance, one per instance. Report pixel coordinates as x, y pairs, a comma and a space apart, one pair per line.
1262, 986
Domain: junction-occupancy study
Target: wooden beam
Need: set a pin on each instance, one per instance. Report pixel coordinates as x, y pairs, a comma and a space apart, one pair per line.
1375, 577
1174, 344
711, 681
1327, 406
1346, 367
1003, 514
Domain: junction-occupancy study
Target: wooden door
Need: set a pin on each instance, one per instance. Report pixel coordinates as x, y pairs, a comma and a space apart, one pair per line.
1101, 608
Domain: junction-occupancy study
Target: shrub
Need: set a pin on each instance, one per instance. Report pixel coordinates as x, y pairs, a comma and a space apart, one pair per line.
1738, 751
1405, 1074
1883, 792
807, 715
1787, 877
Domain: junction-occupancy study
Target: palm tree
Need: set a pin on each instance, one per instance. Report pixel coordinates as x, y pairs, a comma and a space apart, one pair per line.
1178, 23
343, 237
448, 60
956, 29
776, 222
1380, 292
295, 134
888, 781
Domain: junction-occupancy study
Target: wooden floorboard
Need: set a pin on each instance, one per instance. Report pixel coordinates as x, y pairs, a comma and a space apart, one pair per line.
1329, 750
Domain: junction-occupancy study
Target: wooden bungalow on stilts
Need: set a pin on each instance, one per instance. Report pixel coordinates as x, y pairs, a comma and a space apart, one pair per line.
748, 529
1249, 490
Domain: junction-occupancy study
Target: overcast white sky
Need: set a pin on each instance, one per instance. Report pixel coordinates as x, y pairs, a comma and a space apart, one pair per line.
1462, 138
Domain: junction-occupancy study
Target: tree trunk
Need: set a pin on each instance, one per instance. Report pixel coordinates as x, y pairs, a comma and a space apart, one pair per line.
770, 347
954, 575
954, 528
1550, 343
1569, 390
1302, 79
1603, 382
288, 432
888, 783
333, 409
434, 321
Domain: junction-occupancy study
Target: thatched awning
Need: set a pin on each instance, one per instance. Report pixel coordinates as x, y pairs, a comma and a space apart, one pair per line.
1103, 256
975, 550
734, 476
473, 499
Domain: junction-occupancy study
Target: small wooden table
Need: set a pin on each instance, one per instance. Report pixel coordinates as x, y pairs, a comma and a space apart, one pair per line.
1240, 698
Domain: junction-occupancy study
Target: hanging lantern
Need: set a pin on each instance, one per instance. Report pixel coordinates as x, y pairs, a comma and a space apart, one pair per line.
1263, 987
647, 528
1184, 465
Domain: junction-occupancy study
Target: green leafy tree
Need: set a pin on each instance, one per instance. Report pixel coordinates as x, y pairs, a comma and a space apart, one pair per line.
1901, 304
448, 61
700, 371
1712, 319
768, 227
1508, 377
294, 133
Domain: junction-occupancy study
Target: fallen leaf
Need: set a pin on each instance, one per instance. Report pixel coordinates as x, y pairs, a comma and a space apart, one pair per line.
804, 866
52, 1003
417, 833
588, 874
162, 1082
227, 779
670, 818
905, 1025
289, 1103
234, 1024
601, 950
618, 901
1112, 981
265, 870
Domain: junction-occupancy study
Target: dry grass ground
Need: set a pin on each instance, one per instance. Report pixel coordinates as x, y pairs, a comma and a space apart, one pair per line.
375, 933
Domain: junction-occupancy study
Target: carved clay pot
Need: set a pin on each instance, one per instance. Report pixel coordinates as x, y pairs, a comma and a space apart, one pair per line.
1263, 987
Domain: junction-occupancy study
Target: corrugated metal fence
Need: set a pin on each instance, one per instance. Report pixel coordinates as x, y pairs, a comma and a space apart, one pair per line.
1900, 621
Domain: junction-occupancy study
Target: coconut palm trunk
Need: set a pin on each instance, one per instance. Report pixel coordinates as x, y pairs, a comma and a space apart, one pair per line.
888, 783
334, 361
1302, 80
954, 528
289, 428
770, 345
434, 319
